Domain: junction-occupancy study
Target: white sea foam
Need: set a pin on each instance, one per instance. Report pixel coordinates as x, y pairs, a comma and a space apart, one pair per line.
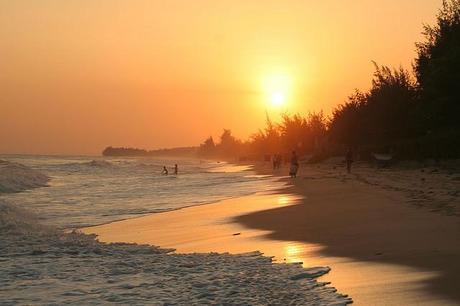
15, 177
99, 163
41, 265
88, 191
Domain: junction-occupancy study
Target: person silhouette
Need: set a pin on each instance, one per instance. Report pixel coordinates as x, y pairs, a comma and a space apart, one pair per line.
176, 170
349, 159
294, 165
165, 171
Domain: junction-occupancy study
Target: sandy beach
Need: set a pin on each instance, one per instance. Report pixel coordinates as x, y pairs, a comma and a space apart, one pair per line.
230, 152
385, 245
45, 261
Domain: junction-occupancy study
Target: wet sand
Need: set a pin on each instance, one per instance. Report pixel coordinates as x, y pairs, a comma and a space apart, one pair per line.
382, 249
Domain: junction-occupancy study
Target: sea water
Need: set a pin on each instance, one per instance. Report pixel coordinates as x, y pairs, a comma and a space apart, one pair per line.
85, 191
42, 264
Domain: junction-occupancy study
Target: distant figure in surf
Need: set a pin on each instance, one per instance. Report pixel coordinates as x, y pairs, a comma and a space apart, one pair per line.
176, 170
165, 171
294, 165
349, 159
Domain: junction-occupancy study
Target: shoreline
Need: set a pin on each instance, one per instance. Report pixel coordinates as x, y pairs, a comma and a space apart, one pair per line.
373, 227
80, 269
377, 270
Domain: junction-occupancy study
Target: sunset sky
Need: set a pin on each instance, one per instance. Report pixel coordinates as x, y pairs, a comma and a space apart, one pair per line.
76, 76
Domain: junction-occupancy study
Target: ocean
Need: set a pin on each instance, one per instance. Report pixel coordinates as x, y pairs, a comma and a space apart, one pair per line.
84, 191
43, 263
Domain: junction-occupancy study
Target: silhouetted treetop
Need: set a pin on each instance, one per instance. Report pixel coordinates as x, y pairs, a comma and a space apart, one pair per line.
121, 151
437, 68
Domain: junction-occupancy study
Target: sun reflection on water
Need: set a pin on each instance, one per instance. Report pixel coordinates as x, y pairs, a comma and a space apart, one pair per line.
284, 200
288, 199
293, 252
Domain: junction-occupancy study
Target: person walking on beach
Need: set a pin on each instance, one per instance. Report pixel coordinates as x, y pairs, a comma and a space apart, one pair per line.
349, 159
176, 170
294, 165
165, 171
276, 161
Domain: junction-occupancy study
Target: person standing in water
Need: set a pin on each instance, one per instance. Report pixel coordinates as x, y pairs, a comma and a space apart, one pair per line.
176, 170
349, 159
165, 171
294, 165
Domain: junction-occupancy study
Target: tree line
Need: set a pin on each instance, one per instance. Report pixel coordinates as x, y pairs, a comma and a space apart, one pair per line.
135, 152
413, 114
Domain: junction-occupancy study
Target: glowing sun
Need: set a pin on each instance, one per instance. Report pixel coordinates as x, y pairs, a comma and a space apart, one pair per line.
277, 98
277, 89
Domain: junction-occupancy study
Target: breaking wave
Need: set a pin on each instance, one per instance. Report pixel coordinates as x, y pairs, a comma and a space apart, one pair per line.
15, 177
48, 266
90, 191
44, 265
98, 164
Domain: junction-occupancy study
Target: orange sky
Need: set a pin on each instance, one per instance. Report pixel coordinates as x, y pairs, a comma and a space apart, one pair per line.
76, 76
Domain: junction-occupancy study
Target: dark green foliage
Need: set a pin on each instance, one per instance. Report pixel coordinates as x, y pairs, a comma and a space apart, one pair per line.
294, 132
437, 68
305, 135
389, 105
266, 141
346, 126
207, 148
111, 151
183, 152
412, 119
228, 146
302, 134
379, 116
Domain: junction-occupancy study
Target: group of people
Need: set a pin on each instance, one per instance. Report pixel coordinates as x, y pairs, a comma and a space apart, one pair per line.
277, 161
294, 168
166, 172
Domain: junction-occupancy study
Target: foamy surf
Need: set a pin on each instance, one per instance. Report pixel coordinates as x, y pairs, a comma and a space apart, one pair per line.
44, 265
91, 191
47, 266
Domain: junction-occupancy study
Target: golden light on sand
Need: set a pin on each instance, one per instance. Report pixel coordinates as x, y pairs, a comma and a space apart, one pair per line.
284, 200
293, 252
